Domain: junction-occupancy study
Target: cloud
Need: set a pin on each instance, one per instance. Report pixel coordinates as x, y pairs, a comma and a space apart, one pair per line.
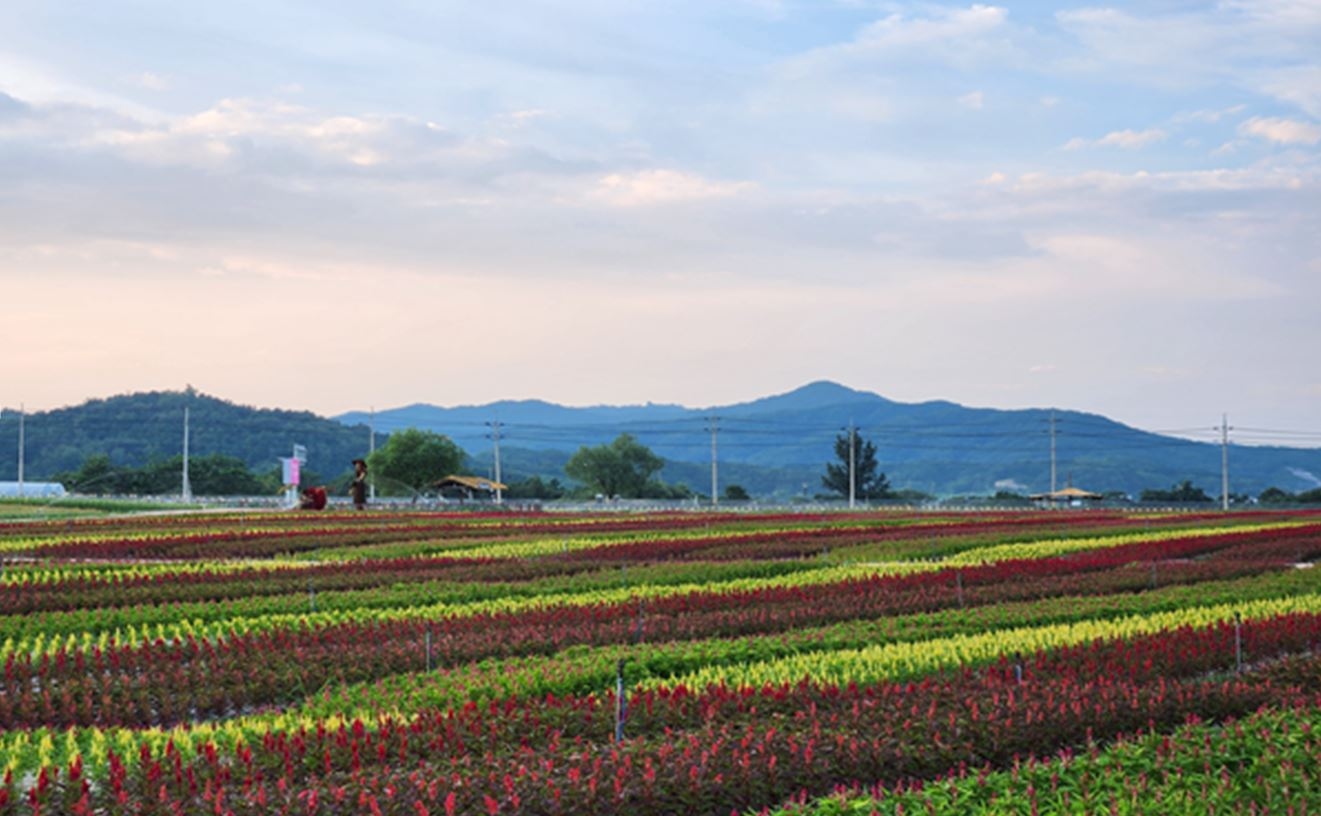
11, 108
280, 139
956, 36
1125, 139
1129, 139
1282, 131
972, 101
1264, 46
1208, 116
1291, 13
946, 25
1264, 177
1299, 85
153, 82
649, 187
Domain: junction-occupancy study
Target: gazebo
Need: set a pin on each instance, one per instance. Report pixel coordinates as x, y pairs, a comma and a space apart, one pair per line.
469, 485
1068, 494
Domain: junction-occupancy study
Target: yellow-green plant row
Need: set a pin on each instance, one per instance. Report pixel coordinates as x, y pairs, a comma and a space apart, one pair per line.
1049, 549
899, 660
40, 643
41, 574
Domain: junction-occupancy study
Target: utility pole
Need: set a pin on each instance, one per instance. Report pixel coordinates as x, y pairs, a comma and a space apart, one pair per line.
22, 414
1224, 461
495, 438
187, 491
852, 465
1052, 450
371, 448
714, 420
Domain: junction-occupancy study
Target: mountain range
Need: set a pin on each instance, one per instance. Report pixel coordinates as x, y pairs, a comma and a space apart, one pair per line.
779, 445
775, 447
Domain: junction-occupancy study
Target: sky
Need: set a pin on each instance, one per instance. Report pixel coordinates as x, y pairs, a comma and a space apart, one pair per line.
332, 206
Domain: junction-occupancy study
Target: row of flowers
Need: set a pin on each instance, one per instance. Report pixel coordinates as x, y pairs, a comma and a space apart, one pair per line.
127, 626
164, 682
1268, 762
259, 535
715, 750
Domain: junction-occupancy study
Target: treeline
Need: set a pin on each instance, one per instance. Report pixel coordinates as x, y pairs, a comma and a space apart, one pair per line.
212, 475
1274, 495
1187, 492
142, 431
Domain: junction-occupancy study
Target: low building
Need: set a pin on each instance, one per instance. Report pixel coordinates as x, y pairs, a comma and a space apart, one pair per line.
32, 490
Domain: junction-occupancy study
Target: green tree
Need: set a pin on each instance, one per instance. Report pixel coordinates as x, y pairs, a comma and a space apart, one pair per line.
221, 475
621, 468
909, 494
97, 477
1185, 492
868, 481
534, 487
736, 493
1312, 496
414, 459
656, 489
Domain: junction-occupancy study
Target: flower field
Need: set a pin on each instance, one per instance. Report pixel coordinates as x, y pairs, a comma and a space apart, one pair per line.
702, 663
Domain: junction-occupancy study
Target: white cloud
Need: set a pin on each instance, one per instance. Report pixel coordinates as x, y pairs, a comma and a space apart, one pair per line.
1298, 85
153, 82
1208, 116
1282, 131
1125, 139
1130, 139
973, 101
648, 187
1292, 13
1261, 177
958, 36
944, 26
1264, 46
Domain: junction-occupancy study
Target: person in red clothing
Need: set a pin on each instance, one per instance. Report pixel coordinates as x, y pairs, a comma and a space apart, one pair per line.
314, 498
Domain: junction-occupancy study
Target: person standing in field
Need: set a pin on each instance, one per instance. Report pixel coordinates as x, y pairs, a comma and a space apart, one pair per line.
359, 487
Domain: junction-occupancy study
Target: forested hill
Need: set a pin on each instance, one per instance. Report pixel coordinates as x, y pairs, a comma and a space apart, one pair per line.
776, 446
135, 429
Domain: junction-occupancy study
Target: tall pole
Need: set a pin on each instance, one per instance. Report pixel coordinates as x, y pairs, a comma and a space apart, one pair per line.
187, 491
495, 438
371, 448
1224, 461
852, 465
1052, 450
22, 414
714, 475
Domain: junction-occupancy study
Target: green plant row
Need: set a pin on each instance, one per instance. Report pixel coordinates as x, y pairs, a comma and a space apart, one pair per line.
1269, 762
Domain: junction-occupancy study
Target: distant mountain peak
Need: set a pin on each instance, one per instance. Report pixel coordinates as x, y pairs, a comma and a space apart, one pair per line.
828, 389
817, 394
